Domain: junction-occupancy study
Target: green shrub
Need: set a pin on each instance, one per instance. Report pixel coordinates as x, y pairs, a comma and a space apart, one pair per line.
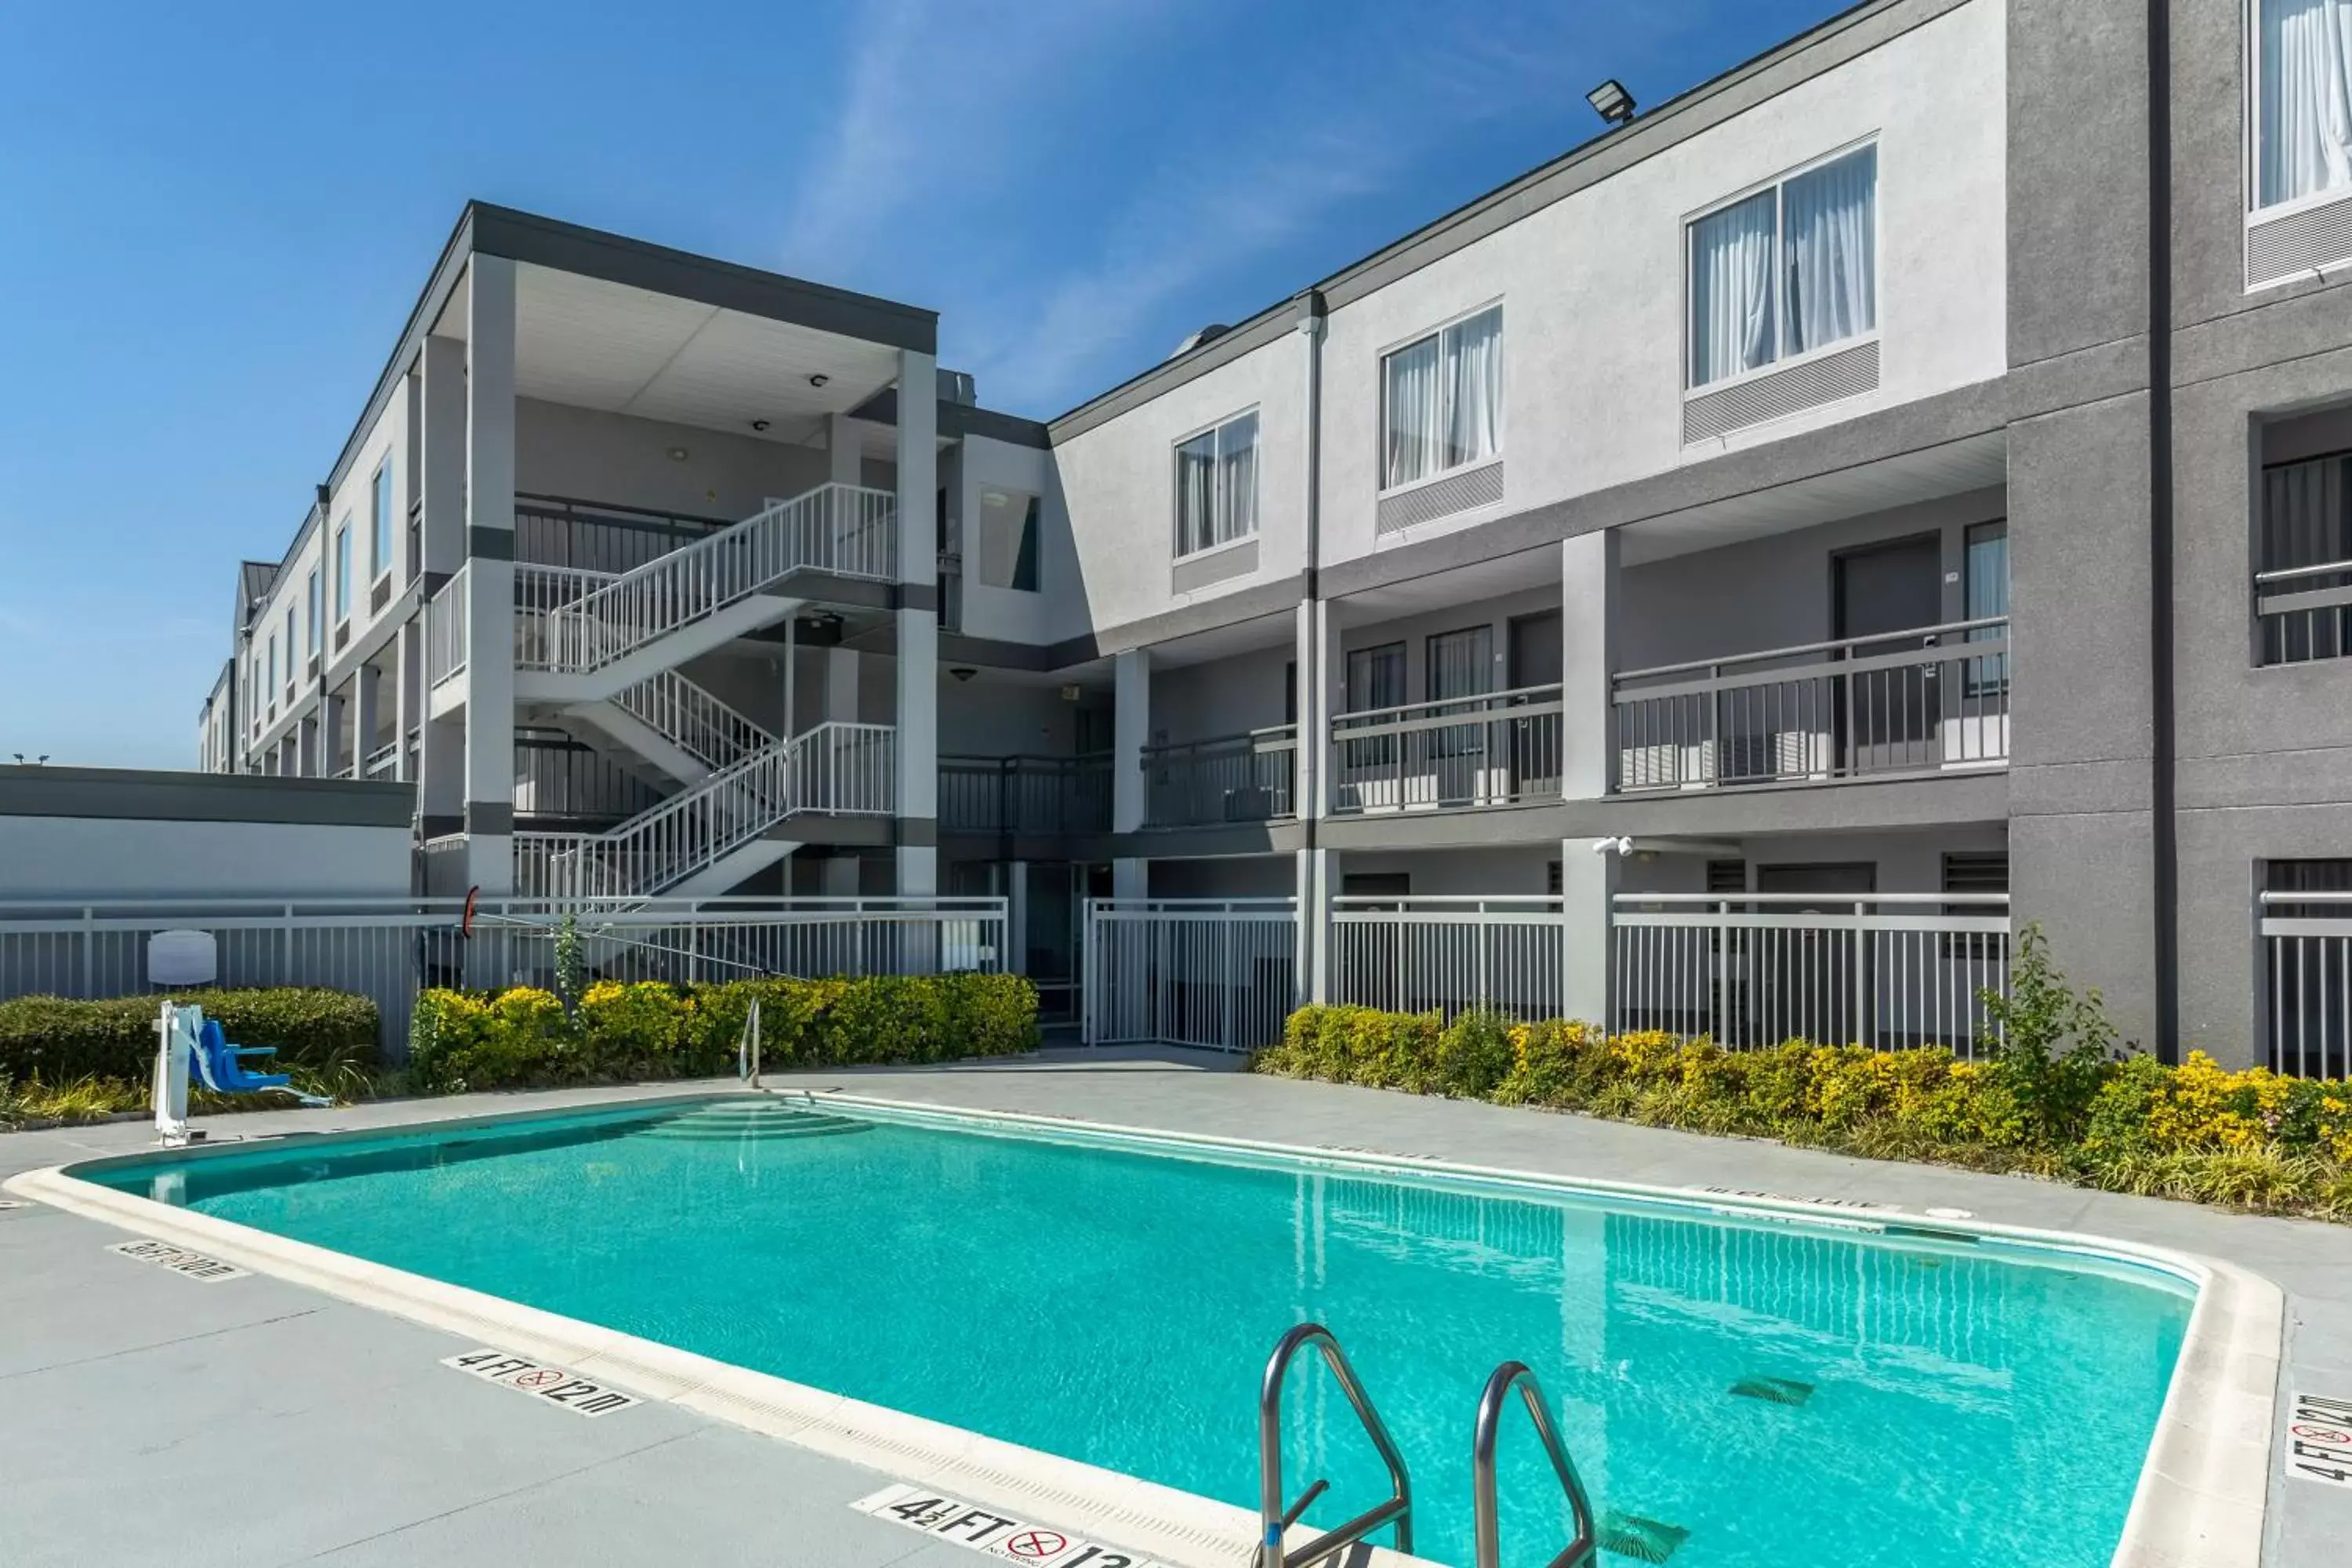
57, 1040
2054, 1100
650, 1030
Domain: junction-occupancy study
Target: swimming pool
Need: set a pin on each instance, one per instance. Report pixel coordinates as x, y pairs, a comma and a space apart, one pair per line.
1736, 1392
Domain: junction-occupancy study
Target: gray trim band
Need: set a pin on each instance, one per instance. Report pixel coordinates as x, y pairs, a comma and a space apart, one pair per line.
492, 818
919, 597
915, 832
489, 543
439, 827
131, 794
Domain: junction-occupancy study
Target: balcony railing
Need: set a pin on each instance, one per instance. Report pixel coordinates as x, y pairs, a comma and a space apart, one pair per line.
2307, 969
2305, 612
1500, 748
1026, 794
1905, 703
597, 537
381, 761
1227, 778
445, 630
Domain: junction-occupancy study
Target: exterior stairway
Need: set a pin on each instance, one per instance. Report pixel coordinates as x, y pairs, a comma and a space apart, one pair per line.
605, 647
587, 636
713, 834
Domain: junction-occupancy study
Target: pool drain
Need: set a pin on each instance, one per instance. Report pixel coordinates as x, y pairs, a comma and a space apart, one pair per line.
1643, 1540
1777, 1390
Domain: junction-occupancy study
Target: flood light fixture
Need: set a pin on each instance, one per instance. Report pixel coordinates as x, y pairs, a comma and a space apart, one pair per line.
1611, 101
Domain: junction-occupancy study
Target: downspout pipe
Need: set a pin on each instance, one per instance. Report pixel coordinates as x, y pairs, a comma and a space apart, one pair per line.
2165, 741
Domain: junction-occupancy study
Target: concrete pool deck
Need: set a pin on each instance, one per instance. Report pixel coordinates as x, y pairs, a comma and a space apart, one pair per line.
121, 1382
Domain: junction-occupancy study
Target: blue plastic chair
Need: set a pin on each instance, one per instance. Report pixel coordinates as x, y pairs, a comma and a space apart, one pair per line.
220, 1066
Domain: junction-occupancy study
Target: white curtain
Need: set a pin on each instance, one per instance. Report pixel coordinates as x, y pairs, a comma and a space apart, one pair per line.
1731, 289
1196, 480
1830, 214
2306, 108
1236, 479
1413, 411
1473, 388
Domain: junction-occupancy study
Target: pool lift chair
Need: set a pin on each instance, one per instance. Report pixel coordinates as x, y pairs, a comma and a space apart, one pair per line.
190, 1041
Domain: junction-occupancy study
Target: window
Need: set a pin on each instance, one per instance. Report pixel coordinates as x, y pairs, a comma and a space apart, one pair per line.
289, 651
1441, 401
1787, 270
382, 503
1216, 486
316, 620
344, 571
1008, 540
270, 691
2303, 561
2303, 109
1987, 598
1375, 678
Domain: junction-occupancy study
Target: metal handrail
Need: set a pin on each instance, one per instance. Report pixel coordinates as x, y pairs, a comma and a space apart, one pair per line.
1968, 650
1491, 1404
1272, 738
1446, 712
2287, 574
1273, 1515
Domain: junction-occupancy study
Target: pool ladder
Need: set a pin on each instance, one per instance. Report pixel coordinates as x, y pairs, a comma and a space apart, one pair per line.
1275, 1517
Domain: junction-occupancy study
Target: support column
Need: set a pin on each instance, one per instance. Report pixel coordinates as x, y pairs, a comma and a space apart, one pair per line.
1321, 672
1319, 879
1130, 732
918, 625
1016, 957
367, 702
1588, 601
328, 751
407, 713
441, 448
1587, 887
489, 391
1130, 879
845, 452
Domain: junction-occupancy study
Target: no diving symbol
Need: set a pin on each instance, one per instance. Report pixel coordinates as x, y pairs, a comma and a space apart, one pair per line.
539, 1377
2311, 1433
1035, 1545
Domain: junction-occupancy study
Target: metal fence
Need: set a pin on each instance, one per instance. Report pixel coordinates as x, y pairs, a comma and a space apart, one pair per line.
1246, 777
1213, 973
552, 531
1914, 701
390, 949
1450, 955
1499, 748
2307, 983
1893, 969
445, 648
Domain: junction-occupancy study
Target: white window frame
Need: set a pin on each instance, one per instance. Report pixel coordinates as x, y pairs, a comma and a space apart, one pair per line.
316, 620
1176, 488
382, 541
1776, 183
1380, 403
341, 565
2252, 171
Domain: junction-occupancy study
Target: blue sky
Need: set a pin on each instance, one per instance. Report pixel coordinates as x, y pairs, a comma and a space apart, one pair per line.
210, 231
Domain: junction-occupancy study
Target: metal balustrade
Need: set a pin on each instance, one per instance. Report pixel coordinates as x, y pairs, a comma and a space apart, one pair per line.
444, 629
2305, 612
1248, 777
1888, 969
1449, 955
2307, 983
844, 530
1220, 974
390, 949
1913, 701
839, 769
383, 762
693, 721
1499, 748
1026, 794
600, 536
540, 591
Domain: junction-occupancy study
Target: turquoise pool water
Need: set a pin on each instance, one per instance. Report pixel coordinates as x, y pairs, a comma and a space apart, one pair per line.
1909, 1401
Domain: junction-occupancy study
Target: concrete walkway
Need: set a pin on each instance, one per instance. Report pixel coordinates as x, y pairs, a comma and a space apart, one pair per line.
286, 1427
